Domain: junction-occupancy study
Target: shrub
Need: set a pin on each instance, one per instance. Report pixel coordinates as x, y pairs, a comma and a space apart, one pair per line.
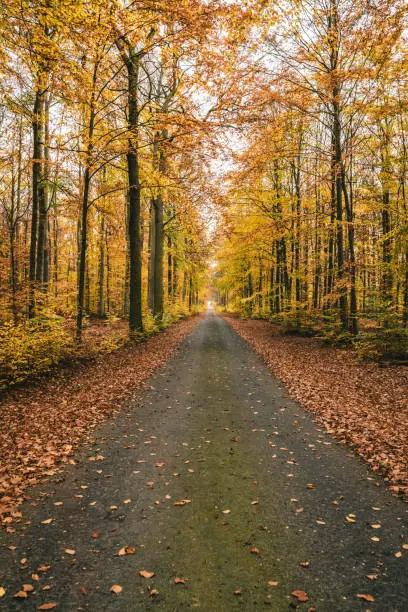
383, 345
33, 347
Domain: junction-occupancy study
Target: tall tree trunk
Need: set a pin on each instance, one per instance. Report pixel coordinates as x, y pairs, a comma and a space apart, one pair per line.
37, 125
169, 266
339, 209
84, 211
353, 273
152, 247
134, 233
101, 275
158, 257
42, 242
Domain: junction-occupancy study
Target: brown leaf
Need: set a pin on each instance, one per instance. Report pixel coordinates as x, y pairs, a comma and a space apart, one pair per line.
126, 550
146, 574
300, 595
180, 581
304, 563
365, 597
116, 588
48, 606
182, 502
255, 550
28, 588
21, 595
69, 551
273, 583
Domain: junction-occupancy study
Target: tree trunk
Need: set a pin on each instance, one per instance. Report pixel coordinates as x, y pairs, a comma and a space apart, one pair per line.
134, 202
42, 242
101, 279
158, 236
37, 125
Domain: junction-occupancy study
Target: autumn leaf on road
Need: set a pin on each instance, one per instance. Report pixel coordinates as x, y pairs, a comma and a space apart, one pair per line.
365, 597
300, 595
126, 550
146, 574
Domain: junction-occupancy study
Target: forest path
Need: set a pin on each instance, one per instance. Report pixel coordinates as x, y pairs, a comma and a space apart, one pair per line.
214, 428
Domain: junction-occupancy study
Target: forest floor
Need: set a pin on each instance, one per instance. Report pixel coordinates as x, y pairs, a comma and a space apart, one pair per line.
361, 403
43, 421
210, 489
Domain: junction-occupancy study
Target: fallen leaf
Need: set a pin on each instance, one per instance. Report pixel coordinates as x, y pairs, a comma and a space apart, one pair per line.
310, 486
376, 526
146, 574
398, 554
255, 550
47, 521
226, 511
372, 576
180, 581
365, 597
95, 534
20, 595
154, 593
2, 592
28, 588
70, 551
126, 550
253, 503
304, 563
273, 583
238, 592
48, 606
182, 502
116, 588
300, 595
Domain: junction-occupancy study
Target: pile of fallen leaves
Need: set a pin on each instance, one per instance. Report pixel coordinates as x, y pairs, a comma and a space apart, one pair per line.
42, 424
358, 402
